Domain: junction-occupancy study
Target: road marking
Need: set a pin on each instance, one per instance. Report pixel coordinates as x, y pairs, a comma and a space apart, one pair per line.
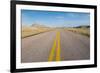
52, 51
58, 47
55, 49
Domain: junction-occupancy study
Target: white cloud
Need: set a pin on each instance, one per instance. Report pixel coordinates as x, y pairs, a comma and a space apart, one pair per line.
60, 17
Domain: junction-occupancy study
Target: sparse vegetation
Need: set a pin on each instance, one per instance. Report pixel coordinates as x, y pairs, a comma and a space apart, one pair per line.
30, 31
37, 29
81, 30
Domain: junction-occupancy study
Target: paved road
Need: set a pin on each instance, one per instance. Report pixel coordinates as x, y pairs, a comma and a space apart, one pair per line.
56, 45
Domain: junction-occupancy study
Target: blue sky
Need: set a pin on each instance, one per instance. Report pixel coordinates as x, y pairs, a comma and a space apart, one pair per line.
54, 19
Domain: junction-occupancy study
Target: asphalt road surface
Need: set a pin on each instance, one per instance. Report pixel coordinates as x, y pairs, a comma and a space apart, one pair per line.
56, 45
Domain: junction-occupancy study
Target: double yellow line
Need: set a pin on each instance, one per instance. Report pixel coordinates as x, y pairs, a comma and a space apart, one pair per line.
55, 51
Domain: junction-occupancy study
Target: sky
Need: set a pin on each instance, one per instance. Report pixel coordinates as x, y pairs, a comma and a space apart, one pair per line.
54, 18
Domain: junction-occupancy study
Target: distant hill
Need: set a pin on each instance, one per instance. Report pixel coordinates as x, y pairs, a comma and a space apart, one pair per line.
86, 26
38, 25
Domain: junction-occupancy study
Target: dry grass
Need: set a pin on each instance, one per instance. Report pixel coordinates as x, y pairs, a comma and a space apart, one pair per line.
30, 31
83, 31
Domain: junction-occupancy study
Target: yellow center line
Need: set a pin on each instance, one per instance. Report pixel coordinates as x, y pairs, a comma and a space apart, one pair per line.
52, 51
58, 47
55, 48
